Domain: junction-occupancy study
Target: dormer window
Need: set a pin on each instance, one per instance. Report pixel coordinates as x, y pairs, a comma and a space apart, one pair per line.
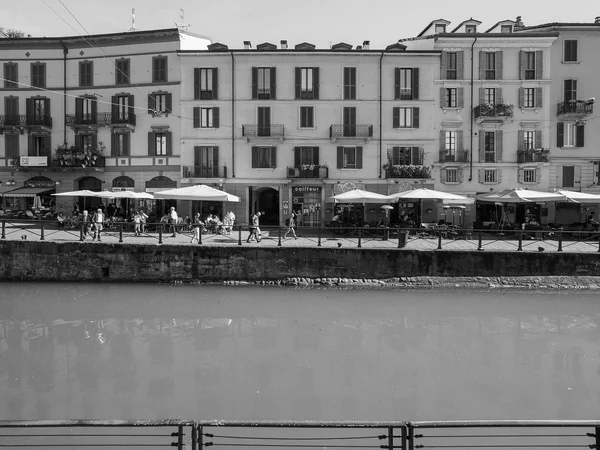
506, 29
471, 28
440, 28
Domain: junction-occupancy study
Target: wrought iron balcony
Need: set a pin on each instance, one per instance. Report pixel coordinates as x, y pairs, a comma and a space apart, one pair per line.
461, 156
262, 131
575, 109
204, 171
83, 119
493, 113
308, 171
39, 121
407, 171
12, 123
119, 118
351, 131
533, 156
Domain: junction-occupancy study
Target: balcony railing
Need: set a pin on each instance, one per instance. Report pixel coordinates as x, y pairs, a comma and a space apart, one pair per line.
497, 112
532, 156
407, 171
254, 131
67, 161
119, 118
351, 131
204, 172
42, 121
575, 107
311, 171
461, 156
82, 119
10, 121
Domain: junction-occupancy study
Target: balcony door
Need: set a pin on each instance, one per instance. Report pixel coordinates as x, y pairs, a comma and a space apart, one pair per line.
122, 108
206, 162
350, 121
11, 110
264, 121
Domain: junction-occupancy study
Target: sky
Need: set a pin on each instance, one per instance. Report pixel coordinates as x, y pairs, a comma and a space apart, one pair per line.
320, 22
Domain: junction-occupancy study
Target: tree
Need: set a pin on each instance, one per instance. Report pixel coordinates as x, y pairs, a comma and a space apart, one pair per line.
9, 33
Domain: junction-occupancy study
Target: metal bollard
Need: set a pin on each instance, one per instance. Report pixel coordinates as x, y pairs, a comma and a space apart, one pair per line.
319, 241
4, 229
42, 232
439, 240
559, 242
520, 248
240, 235
81, 237
279, 233
480, 246
121, 234
200, 236
359, 238
160, 232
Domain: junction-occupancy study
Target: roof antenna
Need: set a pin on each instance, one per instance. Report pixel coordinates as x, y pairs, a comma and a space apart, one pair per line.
182, 27
132, 20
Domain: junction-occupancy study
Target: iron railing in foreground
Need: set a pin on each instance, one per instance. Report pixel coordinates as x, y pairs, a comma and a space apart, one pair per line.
197, 435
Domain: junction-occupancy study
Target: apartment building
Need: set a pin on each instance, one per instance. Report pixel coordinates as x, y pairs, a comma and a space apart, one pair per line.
493, 111
285, 128
98, 112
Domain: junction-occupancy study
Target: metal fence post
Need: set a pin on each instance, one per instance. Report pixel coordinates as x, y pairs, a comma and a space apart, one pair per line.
121, 233
410, 437
194, 436
199, 235
403, 442
559, 241
180, 437
439, 240
81, 236
319, 241
480, 246
391, 438
200, 437
42, 232
279, 235
239, 235
597, 433
359, 238
4, 229
520, 248
160, 231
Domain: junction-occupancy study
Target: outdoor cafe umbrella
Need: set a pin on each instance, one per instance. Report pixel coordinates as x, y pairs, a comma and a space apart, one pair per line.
360, 196
430, 194
126, 194
81, 193
518, 195
578, 197
200, 192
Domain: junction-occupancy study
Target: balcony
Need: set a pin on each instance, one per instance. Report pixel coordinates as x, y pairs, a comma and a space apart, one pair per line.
461, 156
407, 171
262, 132
575, 109
204, 171
12, 123
119, 120
351, 132
533, 156
308, 171
499, 113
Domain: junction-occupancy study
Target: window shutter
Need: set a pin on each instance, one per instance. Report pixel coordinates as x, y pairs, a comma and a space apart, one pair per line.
197, 156
30, 145
130, 110
254, 83
48, 145
395, 117
215, 156
359, 157
273, 157
460, 174
114, 106
459, 140
78, 142
254, 157
460, 65
78, 108
443, 66
538, 97
297, 157
114, 144
196, 117
538, 138
482, 65
481, 96
421, 156
315, 152
499, 98
481, 175
390, 155
169, 146
316, 83
95, 109
443, 100
415, 83
498, 65
521, 97
29, 110
346, 82
522, 64
442, 141
521, 140
273, 83
94, 141
127, 144
560, 134
340, 157
499, 145
151, 144
215, 112
539, 65
481, 147
196, 83
397, 83
215, 83
298, 81
538, 175
169, 102
414, 156
151, 103
460, 97
415, 117
520, 177
579, 137
559, 176
443, 176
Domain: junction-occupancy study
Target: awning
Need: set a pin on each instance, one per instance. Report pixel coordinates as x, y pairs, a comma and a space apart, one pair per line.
28, 192
5, 189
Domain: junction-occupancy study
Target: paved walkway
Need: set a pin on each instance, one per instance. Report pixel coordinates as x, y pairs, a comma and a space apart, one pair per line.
32, 232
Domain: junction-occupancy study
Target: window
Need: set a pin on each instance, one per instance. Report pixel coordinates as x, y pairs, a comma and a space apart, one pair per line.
450, 142
120, 144
206, 117
85, 110
349, 83
349, 157
440, 28
505, 28
38, 75
263, 158
405, 118
39, 145
11, 75
489, 96
570, 90
471, 28
86, 73
39, 109
11, 111
122, 71
11, 142
307, 117
306, 156
488, 176
205, 83
159, 143
122, 107
406, 83
265, 82
570, 134
568, 176
206, 162
489, 65
405, 156
451, 65
528, 140
570, 53
159, 69
450, 97
489, 146
450, 175
530, 65
307, 80
529, 176
528, 97
160, 103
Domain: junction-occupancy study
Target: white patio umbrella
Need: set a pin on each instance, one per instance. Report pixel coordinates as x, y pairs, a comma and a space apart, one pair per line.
360, 196
80, 193
126, 194
578, 197
200, 192
518, 195
430, 194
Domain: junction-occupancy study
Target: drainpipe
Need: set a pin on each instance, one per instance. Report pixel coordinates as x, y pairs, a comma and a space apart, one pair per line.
232, 116
65, 51
472, 115
380, 112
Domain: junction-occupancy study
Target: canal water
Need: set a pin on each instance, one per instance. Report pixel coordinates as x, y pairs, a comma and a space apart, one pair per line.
124, 351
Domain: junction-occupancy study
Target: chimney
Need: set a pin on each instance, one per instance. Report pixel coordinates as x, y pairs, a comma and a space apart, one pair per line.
247, 45
284, 45
366, 45
597, 20
358, 47
519, 22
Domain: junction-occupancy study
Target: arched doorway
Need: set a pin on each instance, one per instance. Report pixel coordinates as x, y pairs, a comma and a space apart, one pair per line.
91, 184
266, 200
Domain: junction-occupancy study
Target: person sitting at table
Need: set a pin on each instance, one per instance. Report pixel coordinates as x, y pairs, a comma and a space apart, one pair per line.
61, 221
591, 220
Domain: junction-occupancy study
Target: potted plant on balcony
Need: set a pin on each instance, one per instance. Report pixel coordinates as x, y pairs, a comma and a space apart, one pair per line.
77, 157
543, 154
504, 109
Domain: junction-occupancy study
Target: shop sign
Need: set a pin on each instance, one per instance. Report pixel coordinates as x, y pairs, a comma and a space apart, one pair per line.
303, 189
120, 189
34, 161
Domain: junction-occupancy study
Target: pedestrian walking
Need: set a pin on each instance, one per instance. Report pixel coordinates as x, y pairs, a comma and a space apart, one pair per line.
84, 219
291, 224
143, 220
98, 220
173, 220
137, 224
254, 228
197, 225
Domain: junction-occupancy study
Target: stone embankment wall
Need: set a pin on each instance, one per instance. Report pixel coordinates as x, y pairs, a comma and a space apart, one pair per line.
43, 261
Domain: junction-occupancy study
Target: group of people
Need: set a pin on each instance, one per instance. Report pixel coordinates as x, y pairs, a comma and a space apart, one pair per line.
212, 223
